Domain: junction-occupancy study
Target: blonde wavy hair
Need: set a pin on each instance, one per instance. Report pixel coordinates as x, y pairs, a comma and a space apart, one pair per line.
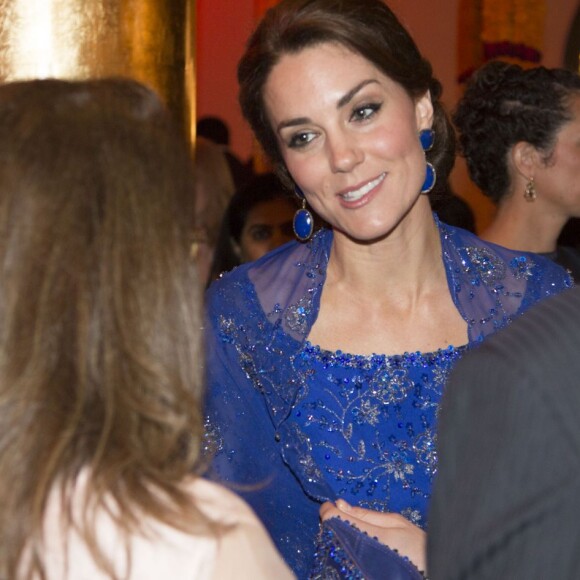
99, 320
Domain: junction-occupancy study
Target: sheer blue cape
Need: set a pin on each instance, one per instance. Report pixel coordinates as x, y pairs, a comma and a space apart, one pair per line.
258, 319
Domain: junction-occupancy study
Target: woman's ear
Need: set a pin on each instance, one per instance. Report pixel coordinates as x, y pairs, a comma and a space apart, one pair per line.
424, 111
524, 158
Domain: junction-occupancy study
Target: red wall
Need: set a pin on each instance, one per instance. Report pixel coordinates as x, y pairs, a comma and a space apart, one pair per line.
222, 29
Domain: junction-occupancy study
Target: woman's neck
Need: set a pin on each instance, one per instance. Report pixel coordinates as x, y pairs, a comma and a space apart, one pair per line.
530, 227
406, 261
388, 297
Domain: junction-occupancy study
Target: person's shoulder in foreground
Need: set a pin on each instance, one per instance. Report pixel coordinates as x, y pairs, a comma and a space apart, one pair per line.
240, 547
505, 502
245, 550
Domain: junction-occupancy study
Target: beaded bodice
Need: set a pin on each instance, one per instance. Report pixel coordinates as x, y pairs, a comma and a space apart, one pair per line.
371, 423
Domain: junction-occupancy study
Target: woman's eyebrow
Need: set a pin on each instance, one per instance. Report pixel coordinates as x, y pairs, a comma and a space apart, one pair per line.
351, 94
344, 100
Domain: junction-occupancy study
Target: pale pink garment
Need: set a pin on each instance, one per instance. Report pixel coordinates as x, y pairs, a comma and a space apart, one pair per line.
244, 552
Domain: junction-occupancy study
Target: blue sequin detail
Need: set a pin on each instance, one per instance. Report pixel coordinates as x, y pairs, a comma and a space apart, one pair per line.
344, 552
487, 265
297, 315
522, 267
332, 561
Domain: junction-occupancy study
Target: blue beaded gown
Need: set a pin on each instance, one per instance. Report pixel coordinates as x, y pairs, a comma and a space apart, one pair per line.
291, 425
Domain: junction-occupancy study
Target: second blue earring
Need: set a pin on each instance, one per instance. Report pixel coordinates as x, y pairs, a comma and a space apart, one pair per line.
430, 178
427, 138
303, 223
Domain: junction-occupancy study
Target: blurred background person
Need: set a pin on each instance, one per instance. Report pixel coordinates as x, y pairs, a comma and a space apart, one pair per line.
216, 130
214, 188
100, 354
257, 220
519, 133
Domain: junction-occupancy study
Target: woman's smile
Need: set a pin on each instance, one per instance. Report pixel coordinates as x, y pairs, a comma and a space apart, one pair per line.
362, 194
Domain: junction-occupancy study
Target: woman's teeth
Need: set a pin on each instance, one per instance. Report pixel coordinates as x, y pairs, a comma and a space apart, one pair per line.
362, 191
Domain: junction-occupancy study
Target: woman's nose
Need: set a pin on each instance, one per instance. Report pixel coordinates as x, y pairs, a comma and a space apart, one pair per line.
344, 153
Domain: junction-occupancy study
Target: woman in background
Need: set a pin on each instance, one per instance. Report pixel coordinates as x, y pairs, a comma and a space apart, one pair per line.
328, 356
100, 420
257, 220
520, 133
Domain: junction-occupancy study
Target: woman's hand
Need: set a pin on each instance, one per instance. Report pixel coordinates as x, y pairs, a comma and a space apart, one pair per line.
390, 529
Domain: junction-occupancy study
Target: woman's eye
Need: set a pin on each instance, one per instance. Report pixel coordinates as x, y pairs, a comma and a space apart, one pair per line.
365, 112
300, 140
261, 233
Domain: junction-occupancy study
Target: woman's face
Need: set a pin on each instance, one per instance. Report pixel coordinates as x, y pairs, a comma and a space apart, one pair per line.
349, 136
268, 225
559, 178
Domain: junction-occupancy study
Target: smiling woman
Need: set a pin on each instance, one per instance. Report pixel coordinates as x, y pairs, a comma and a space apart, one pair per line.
313, 393
354, 152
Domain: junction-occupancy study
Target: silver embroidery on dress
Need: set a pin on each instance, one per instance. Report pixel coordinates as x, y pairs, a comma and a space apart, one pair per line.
488, 265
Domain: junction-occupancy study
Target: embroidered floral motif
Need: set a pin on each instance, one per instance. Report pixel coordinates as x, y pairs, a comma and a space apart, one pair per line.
439, 377
425, 450
412, 515
302, 446
522, 267
390, 387
366, 413
488, 265
297, 315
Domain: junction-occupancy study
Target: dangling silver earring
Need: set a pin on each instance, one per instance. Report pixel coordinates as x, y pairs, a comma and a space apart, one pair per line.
427, 138
530, 192
303, 223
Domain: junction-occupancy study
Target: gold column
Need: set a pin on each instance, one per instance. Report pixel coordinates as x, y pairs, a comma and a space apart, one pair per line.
148, 40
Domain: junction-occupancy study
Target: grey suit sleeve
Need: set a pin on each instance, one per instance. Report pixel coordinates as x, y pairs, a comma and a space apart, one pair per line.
505, 501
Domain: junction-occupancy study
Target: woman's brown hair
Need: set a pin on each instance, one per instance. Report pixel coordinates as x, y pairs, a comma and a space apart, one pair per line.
366, 27
99, 322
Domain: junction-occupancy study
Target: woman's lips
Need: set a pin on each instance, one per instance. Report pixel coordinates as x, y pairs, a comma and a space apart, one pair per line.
353, 196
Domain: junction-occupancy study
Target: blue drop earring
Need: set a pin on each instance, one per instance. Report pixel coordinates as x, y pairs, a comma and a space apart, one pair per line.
303, 222
427, 138
430, 178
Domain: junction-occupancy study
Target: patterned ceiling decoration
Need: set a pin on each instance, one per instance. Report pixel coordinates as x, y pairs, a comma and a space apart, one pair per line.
511, 30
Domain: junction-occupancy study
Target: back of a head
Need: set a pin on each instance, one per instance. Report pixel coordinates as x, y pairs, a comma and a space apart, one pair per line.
504, 104
214, 186
214, 129
98, 302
